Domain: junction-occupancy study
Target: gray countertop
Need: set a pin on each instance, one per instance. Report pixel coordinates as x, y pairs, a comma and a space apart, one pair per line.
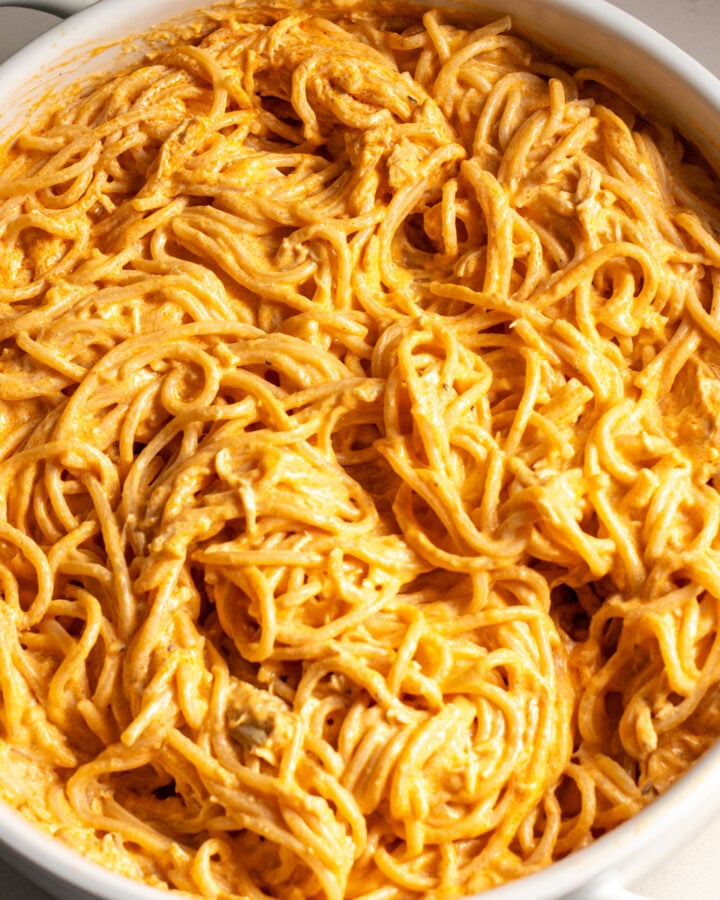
695, 26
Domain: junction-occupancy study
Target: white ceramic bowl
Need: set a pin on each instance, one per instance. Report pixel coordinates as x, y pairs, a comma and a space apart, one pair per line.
581, 30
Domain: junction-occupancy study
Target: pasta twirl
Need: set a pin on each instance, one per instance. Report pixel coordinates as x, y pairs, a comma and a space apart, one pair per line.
359, 515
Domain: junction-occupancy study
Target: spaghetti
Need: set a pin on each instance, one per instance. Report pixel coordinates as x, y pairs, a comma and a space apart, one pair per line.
359, 515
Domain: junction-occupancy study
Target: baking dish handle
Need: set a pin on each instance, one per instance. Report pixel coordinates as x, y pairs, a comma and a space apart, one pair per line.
63, 8
607, 889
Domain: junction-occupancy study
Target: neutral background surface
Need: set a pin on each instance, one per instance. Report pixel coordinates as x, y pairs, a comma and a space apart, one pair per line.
694, 874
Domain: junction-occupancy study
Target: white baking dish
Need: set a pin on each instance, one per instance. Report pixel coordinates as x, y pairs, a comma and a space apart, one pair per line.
591, 30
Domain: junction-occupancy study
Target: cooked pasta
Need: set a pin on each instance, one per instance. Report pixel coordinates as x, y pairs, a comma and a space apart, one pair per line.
359, 419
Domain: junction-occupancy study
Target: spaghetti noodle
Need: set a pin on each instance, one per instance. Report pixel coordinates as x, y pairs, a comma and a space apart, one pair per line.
359, 515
